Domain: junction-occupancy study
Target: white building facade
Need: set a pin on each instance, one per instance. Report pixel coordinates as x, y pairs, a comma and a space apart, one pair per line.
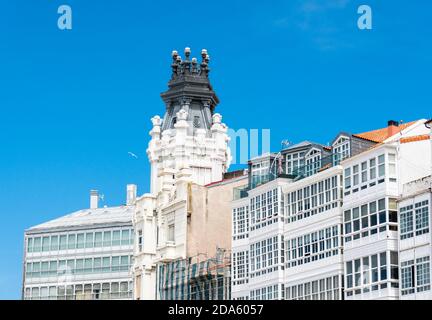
415, 243
86, 255
373, 183
340, 237
313, 237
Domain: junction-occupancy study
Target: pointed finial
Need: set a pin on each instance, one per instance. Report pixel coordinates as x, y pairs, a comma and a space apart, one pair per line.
203, 53
187, 52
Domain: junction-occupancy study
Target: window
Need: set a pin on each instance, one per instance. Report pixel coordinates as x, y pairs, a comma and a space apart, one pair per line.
125, 235
312, 199
341, 149
45, 244
370, 218
80, 241
347, 178
54, 243
294, 161
421, 225
423, 274
371, 273
406, 222
259, 172
422, 217
364, 171
89, 240
355, 175
171, 232
264, 207
322, 289
415, 275
372, 169
71, 241
407, 277
311, 247
29, 244
381, 166
265, 256
140, 240
98, 240
313, 162
107, 238
37, 244
63, 242
116, 238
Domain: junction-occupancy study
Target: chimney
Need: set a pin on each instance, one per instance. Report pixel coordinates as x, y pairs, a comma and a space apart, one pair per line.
131, 193
392, 128
94, 199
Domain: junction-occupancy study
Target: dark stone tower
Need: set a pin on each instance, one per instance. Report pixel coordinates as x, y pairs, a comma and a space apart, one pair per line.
189, 88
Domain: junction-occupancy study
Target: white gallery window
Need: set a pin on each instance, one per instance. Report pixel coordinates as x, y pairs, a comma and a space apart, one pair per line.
58, 267
323, 289
260, 171
265, 293
240, 222
341, 149
370, 218
313, 246
264, 208
294, 161
369, 173
310, 200
414, 219
265, 256
86, 291
79, 240
415, 275
313, 162
371, 273
240, 267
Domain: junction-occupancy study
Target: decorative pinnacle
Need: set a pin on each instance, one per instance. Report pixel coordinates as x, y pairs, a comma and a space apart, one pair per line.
180, 67
187, 52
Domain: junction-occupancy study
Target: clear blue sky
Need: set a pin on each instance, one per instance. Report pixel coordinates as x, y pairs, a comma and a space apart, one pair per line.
73, 103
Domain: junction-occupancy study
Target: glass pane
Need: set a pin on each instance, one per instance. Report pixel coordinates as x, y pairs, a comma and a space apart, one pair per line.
89, 240
54, 243
107, 239
71, 241
45, 244
80, 240
63, 242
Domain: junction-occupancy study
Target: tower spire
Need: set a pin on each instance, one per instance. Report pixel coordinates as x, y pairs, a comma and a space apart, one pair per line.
189, 89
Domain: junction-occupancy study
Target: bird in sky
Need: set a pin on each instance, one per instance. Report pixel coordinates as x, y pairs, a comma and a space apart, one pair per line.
133, 155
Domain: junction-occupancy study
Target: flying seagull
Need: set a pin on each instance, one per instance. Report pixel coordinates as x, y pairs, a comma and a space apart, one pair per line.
133, 155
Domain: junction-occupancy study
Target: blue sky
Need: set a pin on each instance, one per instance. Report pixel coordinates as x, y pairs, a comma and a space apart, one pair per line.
73, 103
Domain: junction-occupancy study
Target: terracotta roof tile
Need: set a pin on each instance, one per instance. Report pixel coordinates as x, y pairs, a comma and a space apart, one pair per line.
415, 138
382, 134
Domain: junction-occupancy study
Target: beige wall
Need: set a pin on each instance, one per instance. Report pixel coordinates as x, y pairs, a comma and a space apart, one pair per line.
209, 222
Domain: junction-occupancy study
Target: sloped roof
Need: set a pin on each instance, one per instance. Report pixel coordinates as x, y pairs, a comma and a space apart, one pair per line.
89, 217
380, 135
415, 138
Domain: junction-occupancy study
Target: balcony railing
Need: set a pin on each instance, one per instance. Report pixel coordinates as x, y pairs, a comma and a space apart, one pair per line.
297, 174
